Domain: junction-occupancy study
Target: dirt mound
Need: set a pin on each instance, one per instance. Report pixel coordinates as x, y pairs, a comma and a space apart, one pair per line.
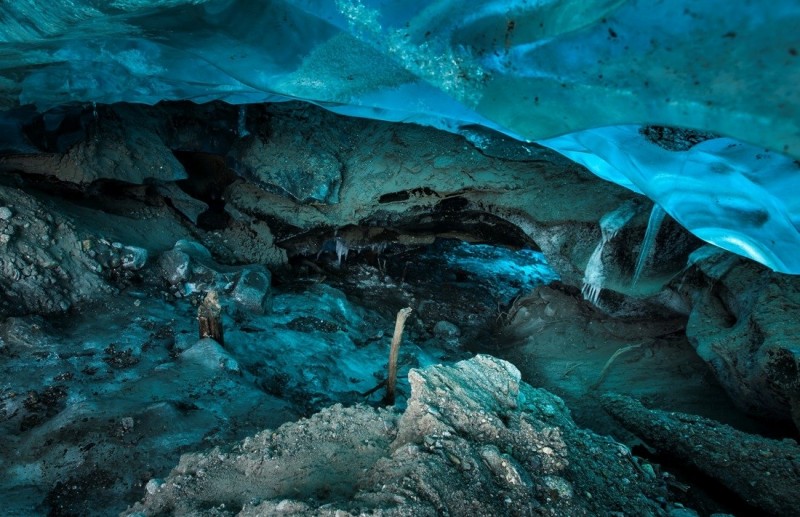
474, 440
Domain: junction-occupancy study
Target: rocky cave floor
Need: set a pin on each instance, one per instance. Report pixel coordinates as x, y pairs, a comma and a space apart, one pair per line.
99, 404
110, 402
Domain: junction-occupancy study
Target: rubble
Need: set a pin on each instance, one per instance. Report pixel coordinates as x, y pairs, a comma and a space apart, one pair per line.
474, 440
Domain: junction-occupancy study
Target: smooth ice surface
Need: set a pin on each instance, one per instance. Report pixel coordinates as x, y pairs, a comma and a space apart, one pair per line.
737, 196
530, 69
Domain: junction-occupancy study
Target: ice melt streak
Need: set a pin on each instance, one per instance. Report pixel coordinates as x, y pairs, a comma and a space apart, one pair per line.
653, 225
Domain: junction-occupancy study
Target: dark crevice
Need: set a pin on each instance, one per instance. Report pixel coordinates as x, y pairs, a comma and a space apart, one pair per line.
57, 130
405, 195
394, 197
472, 226
480, 226
697, 490
209, 176
452, 204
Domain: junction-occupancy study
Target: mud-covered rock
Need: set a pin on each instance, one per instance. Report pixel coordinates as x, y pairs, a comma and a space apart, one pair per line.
210, 354
246, 241
446, 330
765, 473
186, 205
118, 143
133, 257
174, 266
474, 440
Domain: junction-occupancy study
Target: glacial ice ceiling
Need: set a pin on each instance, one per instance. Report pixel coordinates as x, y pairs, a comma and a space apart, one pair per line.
592, 79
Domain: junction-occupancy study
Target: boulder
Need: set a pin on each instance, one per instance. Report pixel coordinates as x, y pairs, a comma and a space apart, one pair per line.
253, 290
174, 266
290, 165
744, 324
764, 473
446, 330
210, 354
133, 257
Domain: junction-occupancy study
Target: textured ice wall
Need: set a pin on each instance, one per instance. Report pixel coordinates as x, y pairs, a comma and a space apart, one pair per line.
531, 69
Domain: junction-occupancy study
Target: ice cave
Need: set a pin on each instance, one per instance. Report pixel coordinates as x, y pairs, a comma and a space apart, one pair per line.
400, 258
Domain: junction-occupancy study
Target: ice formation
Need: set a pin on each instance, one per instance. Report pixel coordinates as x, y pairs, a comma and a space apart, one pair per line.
610, 225
341, 250
653, 225
568, 74
241, 129
510, 272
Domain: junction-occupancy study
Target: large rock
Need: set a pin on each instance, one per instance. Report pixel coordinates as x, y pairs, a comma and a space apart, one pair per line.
174, 266
764, 473
253, 290
293, 160
210, 354
474, 440
118, 143
744, 325
45, 265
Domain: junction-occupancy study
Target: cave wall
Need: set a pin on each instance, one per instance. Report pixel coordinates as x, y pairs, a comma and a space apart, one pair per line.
278, 181
289, 169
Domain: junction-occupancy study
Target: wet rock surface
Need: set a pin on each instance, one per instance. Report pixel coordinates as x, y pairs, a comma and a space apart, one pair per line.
562, 343
744, 325
93, 405
300, 165
473, 440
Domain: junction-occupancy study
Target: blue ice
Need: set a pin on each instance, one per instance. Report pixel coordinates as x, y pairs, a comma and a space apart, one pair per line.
509, 272
578, 75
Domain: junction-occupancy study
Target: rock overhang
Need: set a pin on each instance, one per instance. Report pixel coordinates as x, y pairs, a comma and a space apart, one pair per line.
568, 76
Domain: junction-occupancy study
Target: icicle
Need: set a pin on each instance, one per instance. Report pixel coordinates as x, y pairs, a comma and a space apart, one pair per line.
242, 127
378, 247
594, 276
653, 225
610, 224
341, 250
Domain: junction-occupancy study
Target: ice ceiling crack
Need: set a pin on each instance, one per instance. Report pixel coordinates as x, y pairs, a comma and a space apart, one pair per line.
586, 79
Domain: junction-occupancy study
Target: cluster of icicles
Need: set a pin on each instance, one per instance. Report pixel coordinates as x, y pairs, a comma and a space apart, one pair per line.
594, 276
